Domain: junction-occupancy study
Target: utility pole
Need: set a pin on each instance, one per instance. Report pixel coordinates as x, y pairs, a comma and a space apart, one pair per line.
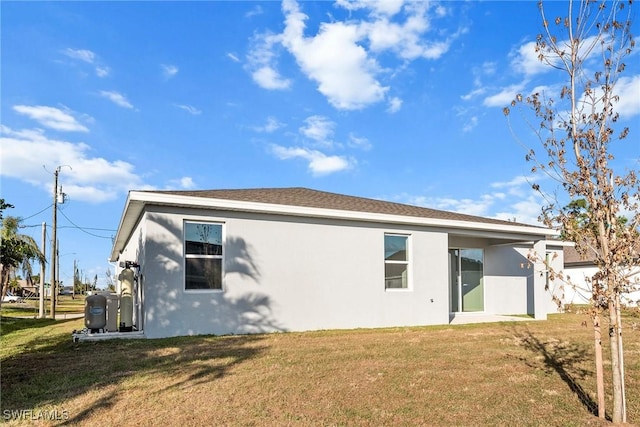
73, 286
41, 309
58, 197
57, 272
54, 237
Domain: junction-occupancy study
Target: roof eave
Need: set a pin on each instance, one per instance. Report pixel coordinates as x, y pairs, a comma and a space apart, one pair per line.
138, 199
130, 216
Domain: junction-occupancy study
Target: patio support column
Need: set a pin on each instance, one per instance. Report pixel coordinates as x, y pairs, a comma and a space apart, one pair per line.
539, 279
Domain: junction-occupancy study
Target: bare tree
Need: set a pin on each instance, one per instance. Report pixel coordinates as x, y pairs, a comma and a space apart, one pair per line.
111, 285
577, 131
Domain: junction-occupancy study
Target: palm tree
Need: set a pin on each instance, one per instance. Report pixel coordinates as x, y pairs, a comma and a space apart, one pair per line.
18, 250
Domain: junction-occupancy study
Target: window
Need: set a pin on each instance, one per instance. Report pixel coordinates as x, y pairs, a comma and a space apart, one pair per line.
396, 261
203, 256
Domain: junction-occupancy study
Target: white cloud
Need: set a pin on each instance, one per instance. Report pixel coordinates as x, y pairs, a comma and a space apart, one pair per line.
479, 206
187, 182
395, 104
51, 117
474, 93
519, 203
102, 71
89, 57
262, 63
189, 109
268, 78
169, 71
92, 179
318, 163
487, 69
627, 105
628, 89
471, 123
525, 60
257, 10
334, 60
341, 57
388, 7
116, 98
358, 142
319, 129
233, 57
517, 182
467, 206
406, 38
80, 54
272, 124
184, 183
504, 97
524, 211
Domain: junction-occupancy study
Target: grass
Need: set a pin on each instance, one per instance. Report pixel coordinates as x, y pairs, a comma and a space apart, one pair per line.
29, 308
525, 373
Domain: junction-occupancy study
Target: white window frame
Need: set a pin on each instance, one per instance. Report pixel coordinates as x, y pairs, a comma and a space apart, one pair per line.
406, 262
198, 256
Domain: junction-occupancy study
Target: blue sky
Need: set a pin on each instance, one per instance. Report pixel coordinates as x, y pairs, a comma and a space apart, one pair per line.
401, 102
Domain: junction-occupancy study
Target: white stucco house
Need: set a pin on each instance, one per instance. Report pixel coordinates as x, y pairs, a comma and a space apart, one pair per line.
295, 259
579, 271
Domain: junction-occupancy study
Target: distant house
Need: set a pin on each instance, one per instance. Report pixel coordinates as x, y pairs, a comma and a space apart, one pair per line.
294, 259
580, 270
27, 288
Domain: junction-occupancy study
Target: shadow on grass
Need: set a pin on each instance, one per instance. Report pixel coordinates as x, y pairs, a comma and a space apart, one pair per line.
564, 359
9, 324
59, 370
105, 402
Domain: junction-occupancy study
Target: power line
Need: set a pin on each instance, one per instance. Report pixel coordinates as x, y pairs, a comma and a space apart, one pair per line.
38, 213
66, 226
84, 229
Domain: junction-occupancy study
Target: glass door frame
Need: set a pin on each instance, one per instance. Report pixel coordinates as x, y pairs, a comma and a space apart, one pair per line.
456, 294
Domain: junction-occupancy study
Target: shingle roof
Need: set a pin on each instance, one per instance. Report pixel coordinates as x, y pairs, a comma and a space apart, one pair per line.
572, 257
304, 197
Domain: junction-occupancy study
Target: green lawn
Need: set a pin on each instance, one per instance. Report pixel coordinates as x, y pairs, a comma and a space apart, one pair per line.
29, 308
526, 373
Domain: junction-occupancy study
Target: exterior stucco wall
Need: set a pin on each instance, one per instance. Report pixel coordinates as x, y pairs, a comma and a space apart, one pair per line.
579, 289
285, 273
557, 286
508, 275
511, 277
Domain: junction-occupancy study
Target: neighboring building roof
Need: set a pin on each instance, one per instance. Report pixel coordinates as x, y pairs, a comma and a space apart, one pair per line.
573, 258
313, 203
26, 283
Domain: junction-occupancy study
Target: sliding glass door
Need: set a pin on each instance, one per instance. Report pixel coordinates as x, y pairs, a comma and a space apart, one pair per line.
466, 268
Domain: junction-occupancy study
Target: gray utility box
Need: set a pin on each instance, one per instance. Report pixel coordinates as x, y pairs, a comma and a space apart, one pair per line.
113, 300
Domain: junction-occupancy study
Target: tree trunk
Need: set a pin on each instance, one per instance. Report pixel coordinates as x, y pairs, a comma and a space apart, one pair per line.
621, 358
4, 282
599, 364
616, 367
